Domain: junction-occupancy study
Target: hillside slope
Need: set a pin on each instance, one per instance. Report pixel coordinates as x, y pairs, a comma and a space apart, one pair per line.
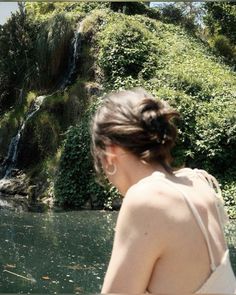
115, 50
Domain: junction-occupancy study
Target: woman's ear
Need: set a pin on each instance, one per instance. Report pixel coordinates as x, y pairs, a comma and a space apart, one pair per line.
111, 153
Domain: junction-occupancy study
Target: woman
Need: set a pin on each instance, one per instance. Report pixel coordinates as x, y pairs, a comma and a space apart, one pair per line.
169, 234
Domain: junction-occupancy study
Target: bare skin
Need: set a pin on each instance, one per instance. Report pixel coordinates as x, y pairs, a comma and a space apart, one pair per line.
157, 240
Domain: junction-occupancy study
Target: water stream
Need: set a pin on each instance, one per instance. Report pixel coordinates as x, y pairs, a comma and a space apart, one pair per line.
76, 48
13, 147
11, 159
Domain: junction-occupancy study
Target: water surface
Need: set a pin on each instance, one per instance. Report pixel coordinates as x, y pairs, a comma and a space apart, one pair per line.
57, 252
61, 252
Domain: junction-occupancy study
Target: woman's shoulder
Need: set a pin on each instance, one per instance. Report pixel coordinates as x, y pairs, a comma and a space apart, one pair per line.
145, 188
150, 194
195, 172
145, 211
152, 204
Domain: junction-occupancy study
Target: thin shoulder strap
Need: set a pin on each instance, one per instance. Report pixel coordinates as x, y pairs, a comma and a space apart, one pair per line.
198, 220
200, 223
219, 201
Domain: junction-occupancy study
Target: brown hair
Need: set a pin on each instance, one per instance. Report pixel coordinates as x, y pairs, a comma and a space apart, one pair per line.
137, 122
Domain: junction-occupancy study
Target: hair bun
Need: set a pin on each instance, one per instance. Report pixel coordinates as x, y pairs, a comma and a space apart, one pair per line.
153, 118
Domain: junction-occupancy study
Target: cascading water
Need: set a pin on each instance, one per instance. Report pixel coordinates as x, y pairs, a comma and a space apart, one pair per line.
11, 160
13, 148
13, 151
76, 46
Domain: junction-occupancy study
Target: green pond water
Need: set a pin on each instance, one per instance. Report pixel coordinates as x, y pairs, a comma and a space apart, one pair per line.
61, 252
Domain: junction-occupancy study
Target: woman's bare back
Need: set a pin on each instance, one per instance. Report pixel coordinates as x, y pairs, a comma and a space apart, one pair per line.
186, 244
159, 246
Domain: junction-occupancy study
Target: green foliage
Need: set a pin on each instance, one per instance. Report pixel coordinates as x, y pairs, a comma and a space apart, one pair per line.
41, 137
172, 14
160, 51
229, 192
187, 75
43, 10
216, 134
221, 18
94, 21
127, 49
52, 46
132, 8
17, 37
223, 46
31, 47
75, 183
136, 51
39, 8
179, 14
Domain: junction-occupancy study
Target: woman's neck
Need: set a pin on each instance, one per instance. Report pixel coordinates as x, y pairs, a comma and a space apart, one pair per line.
134, 170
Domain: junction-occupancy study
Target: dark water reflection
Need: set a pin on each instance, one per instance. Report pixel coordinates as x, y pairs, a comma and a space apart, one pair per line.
60, 252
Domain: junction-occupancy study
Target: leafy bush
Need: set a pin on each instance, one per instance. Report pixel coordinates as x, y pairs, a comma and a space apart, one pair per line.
223, 46
132, 8
127, 49
52, 49
229, 194
220, 22
41, 137
43, 10
17, 38
172, 14
161, 51
75, 184
216, 134
220, 18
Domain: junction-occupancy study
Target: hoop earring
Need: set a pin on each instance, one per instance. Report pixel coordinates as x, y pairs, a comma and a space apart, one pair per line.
114, 169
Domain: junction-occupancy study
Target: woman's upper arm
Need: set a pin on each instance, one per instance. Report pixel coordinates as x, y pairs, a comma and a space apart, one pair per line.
137, 246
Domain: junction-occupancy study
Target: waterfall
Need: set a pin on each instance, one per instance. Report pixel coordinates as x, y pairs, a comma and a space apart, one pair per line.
76, 46
11, 159
13, 147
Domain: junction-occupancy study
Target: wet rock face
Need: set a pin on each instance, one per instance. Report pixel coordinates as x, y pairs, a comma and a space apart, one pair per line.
14, 192
16, 185
14, 203
18, 194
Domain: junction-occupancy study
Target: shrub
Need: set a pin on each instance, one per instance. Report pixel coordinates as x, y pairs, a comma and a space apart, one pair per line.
161, 51
44, 10
17, 38
53, 48
132, 8
229, 192
41, 137
223, 46
172, 14
216, 135
127, 49
76, 184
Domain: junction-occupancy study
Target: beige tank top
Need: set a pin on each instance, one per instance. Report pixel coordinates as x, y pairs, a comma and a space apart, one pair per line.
222, 278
